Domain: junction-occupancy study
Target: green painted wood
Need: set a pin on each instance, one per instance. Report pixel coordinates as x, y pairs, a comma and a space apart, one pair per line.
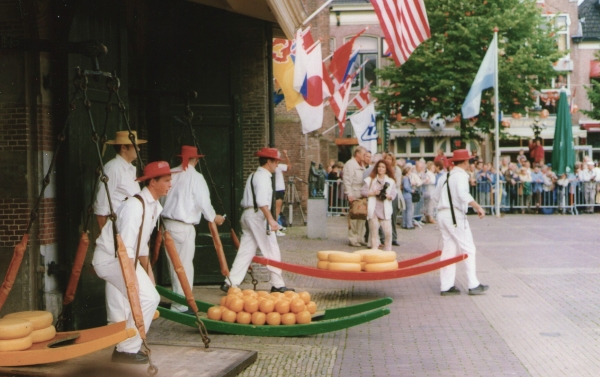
326, 315
317, 327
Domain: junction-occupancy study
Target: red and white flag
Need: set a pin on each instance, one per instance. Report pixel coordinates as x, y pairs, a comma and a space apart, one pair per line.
339, 103
363, 98
341, 62
404, 24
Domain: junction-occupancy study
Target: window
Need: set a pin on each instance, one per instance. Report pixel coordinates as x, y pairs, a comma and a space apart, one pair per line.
429, 147
443, 146
401, 146
369, 53
560, 25
331, 44
415, 145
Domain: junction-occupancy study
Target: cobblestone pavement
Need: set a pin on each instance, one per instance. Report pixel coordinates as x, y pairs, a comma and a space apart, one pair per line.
539, 318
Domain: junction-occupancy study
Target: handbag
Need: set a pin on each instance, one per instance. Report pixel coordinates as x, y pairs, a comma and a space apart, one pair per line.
416, 196
358, 209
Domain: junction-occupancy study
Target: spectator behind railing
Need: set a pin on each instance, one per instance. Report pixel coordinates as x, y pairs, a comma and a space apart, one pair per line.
525, 191
512, 178
587, 177
407, 191
428, 190
485, 179
537, 181
391, 160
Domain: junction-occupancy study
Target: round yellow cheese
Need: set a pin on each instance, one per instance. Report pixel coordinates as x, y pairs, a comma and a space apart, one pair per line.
43, 335
380, 267
323, 255
322, 264
345, 258
14, 328
40, 319
156, 315
362, 265
19, 344
352, 267
379, 257
365, 251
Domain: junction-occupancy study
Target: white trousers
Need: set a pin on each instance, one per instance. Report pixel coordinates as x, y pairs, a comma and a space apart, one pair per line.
254, 235
117, 305
456, 239
110, 270
184, 236
386, 225
356, 230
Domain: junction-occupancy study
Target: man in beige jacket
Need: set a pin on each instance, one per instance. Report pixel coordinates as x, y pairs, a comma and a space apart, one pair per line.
353, 182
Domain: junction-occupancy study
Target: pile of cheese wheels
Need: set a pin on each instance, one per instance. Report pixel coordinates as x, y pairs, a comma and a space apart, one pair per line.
19, 331
370, 260
260, 308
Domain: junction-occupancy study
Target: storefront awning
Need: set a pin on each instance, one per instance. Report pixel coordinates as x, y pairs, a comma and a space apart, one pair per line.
591, 127
423, 132
287, 14
547, 133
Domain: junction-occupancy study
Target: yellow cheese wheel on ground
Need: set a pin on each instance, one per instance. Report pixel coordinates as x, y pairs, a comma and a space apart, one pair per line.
380, 267
14, 328
379, 257
365, 251
352, 267
156, 315
345, 258
40, 319
324, 255
214, 313
322, 265
362, 265
19, 344
43, 335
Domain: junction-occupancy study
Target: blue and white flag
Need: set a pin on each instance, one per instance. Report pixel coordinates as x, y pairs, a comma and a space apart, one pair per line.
365, 127
483, 80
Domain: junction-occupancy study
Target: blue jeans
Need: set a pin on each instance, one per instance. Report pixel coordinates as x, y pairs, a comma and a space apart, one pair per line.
409, 212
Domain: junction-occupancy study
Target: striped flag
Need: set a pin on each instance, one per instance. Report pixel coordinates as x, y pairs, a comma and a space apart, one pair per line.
363, 98
339, 103
404, 24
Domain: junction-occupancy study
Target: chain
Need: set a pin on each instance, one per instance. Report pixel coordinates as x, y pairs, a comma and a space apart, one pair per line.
254, 281
203, 331
123, 111
152, 369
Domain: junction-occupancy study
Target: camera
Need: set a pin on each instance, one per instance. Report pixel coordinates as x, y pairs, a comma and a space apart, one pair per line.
382, 193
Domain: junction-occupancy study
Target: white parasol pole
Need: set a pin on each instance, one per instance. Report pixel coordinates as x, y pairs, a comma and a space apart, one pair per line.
497, 124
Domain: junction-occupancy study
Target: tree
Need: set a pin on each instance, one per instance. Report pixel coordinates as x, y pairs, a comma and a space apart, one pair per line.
439, 74
593, 93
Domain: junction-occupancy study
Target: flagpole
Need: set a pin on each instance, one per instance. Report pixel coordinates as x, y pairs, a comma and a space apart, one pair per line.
497, 124
316, 12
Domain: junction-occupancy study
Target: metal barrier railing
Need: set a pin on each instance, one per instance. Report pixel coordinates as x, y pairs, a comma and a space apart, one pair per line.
524, 197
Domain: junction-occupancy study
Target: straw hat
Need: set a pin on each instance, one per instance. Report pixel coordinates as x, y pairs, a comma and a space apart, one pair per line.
122, 137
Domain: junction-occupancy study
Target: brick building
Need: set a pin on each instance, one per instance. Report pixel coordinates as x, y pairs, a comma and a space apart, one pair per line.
159, 50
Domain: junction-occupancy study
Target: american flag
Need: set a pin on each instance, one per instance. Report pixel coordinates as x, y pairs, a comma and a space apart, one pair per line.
363, 98
404, 24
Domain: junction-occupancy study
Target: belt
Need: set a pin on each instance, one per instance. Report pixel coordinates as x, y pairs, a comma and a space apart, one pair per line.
179, 221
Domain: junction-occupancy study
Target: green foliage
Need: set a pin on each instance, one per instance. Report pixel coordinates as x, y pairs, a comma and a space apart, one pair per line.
439, 74
593, 93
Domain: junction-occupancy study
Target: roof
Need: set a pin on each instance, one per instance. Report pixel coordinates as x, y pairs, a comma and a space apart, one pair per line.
589, 16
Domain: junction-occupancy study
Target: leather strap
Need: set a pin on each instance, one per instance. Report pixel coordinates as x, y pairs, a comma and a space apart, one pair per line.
253, 194
139, 240
450, 200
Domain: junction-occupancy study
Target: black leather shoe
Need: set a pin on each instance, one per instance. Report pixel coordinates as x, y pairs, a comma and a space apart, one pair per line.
129, 358
225, 287
453, 291
395, 243
478, 290
282, 289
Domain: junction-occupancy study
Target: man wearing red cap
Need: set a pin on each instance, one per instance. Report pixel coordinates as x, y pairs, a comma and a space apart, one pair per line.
135, 215
258, 225
184, 206
453, 197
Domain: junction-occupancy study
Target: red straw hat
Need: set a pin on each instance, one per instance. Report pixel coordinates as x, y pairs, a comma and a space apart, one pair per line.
188, 152
270, 153
156, 169
460, 155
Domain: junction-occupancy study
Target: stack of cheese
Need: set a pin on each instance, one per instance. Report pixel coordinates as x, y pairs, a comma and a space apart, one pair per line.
371, 260
18, 331
262, 307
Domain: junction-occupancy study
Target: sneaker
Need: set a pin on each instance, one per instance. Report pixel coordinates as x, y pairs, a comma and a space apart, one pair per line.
355, 244
453, 291
279, 233
478, 290
283, 229
282, 289
129, 358
225, 287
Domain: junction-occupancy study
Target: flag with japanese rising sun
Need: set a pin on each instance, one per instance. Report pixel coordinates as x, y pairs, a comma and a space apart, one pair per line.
308, 81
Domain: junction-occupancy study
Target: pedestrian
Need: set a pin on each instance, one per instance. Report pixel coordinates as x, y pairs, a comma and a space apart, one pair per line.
184, 206
258, 225
407, 192
588, 178
380, 189
353, 182
453, 200
537, 182
137, 214
121, 184
428, 191
441, 157
525, 189
396, 204
536, 151
280, 189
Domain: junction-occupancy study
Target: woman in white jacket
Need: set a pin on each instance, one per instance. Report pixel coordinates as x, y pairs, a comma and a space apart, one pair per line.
379, 202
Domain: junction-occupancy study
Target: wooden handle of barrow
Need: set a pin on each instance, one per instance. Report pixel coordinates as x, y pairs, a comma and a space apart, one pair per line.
157, 245
234, 239
84, 242
131, 283
180, 271
219, 248
13, 269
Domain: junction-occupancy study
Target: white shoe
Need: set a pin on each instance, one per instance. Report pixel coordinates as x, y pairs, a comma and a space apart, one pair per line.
279, 233
283, 229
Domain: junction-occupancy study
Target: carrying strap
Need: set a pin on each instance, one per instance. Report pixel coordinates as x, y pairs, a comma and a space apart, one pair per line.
450, 200
253, 193
139, 240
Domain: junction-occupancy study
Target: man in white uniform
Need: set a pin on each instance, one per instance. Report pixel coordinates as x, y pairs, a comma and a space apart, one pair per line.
121, 185
139, 213
184, 206
453, 223
258, 225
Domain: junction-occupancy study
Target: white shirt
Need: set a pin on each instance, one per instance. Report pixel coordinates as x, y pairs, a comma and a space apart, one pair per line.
586, 175
121, 184
129, 219
188, 198
279, 182
459, 189
263, 189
